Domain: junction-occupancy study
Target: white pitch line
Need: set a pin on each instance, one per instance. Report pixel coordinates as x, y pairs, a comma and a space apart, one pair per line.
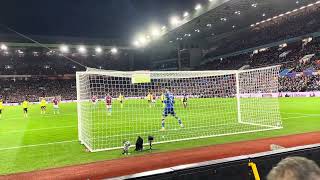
297, 117
302, 114
40, 129
36, 145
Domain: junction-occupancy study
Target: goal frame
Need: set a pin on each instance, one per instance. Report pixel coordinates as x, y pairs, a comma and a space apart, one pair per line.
201, 74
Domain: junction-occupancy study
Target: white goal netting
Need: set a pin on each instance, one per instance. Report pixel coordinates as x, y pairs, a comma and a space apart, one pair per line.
174, 106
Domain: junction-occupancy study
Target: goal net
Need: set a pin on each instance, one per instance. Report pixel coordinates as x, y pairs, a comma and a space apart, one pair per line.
217, 103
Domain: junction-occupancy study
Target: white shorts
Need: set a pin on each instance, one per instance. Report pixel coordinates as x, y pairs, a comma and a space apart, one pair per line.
109, 106
55, 106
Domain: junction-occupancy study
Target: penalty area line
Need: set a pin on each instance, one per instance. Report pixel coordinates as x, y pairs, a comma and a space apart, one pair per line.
36, 145
297, 117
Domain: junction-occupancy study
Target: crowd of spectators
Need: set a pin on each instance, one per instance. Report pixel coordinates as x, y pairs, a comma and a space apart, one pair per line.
299, 84
296, 24
15, 91
289, 57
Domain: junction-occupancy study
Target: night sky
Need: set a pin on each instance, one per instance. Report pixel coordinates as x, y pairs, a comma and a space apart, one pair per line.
89, 18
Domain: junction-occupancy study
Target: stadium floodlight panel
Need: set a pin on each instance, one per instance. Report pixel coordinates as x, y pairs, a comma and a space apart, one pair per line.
64, 48
185, 14
155, 31
82, 49
174, 20
98, 50
3, 47
136, 44
114, 50
198, 7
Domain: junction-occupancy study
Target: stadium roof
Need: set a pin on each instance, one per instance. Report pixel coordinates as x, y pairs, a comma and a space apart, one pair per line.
230, 17
15, 40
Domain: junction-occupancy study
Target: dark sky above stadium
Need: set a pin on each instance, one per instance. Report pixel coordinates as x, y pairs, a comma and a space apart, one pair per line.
88, 18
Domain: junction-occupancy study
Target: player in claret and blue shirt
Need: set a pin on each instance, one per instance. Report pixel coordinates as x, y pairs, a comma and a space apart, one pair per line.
169, 109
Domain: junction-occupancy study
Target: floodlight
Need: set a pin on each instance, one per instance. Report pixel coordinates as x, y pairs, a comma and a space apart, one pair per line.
254, 4
155, 31
3, 47
185, 14
174, 20
198, 7
98, 50
114, 50
136, 44
64, 48
82, 49
142, 40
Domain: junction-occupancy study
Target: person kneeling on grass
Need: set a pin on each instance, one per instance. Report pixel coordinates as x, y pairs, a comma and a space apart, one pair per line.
139, 144
126, 146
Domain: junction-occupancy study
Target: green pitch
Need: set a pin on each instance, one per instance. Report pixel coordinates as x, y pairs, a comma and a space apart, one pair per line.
47, 141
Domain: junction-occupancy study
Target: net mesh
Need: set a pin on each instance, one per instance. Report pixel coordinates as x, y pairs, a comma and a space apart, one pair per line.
207, 103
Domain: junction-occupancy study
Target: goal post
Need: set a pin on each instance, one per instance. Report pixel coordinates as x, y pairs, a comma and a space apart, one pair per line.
219, 103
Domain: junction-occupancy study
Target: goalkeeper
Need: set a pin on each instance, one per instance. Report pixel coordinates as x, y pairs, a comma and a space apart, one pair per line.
169, 109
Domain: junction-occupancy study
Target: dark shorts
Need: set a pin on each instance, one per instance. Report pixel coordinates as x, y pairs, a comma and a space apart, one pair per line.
121, 102
168, 111
43, 107
25, 110
0, 111
185, 100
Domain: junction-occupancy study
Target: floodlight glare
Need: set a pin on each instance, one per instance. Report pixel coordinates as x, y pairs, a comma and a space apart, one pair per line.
3, 47
136, 44
142, 40
185, 14
64, 48
155, 31
82, 49
198, 7
174, 20
98, 50
114, 50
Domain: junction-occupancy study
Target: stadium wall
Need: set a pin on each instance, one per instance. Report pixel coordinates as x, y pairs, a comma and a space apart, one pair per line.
231, 168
